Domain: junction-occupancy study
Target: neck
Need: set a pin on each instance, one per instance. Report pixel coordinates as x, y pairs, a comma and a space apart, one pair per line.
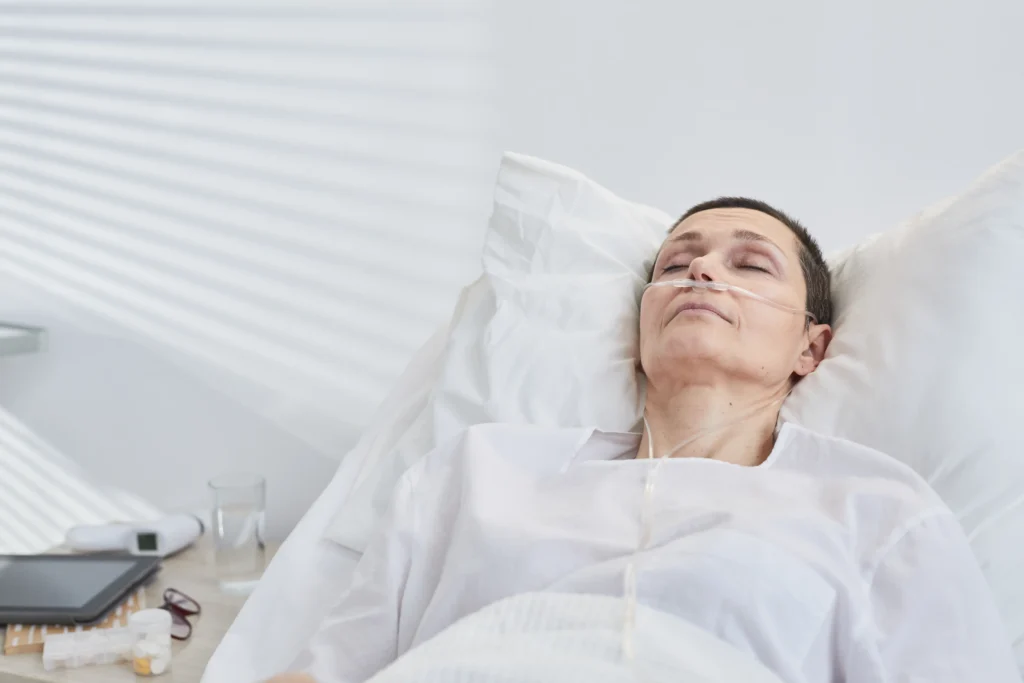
734, 434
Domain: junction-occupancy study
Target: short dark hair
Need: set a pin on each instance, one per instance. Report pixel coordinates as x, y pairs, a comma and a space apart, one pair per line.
812, 262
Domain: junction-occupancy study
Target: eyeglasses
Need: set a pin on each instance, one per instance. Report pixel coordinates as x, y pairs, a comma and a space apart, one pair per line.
181, 608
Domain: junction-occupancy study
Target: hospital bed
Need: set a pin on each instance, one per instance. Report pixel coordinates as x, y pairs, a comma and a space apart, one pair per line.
905, 374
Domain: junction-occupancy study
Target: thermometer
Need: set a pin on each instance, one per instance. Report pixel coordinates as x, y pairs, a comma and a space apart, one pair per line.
161, 537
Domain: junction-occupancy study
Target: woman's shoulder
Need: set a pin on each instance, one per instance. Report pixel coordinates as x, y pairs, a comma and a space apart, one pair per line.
860, 470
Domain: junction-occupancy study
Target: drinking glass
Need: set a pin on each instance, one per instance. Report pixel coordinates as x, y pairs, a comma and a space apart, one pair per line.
239, 501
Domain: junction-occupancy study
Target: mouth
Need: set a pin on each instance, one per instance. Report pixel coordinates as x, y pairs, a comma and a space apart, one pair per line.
697, 307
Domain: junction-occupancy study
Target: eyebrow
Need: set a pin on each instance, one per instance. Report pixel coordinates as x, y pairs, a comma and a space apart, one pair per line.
739, 234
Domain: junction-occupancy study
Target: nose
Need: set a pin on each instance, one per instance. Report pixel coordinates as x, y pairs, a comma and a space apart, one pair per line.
701, 268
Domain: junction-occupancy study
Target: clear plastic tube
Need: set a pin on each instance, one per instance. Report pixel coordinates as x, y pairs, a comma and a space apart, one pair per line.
629, 577
726, 287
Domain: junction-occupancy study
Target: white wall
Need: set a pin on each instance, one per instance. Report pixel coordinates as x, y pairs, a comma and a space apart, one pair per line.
237, 220
145, 419
850, 115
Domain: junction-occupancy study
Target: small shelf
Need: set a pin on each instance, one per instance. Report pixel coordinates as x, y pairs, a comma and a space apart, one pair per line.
17, 339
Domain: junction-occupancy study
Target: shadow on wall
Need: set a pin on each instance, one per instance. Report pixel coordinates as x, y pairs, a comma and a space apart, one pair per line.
42, 494
131, 419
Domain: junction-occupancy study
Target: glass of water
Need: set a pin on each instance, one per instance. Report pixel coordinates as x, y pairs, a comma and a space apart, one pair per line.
239, 501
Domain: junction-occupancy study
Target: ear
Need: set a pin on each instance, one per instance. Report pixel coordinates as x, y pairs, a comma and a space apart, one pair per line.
818, 338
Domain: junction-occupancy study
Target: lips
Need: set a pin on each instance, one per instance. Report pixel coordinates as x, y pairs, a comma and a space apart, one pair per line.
698, 306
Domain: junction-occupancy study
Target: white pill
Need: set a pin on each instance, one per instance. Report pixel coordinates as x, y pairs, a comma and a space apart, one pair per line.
158, 666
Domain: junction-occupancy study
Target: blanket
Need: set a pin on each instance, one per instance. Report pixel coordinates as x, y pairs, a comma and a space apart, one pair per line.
570, 638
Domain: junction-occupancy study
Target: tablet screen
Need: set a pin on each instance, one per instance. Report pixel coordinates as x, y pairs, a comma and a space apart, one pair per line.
38, 583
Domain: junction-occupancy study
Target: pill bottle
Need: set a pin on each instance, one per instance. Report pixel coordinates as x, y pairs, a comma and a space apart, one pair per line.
151, 647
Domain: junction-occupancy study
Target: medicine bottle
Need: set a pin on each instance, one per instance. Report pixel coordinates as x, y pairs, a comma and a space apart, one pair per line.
151, 649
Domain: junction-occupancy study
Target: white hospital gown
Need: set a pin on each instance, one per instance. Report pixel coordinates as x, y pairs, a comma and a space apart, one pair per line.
828, 562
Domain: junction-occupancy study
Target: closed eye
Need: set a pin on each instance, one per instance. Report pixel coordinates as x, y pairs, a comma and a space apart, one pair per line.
753, 267
669, 269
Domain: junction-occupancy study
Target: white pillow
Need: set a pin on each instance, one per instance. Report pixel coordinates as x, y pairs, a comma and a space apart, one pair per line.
548, 334
925, 364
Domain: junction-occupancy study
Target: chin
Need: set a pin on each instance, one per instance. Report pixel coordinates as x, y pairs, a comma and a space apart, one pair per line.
694, 342
690, 355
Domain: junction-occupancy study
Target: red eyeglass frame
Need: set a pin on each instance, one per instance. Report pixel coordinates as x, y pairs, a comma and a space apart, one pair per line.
181, 607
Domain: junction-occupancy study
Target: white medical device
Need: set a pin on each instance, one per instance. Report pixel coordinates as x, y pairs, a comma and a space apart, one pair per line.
161, 537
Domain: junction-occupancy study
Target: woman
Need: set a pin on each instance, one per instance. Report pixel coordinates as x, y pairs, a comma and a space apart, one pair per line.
825, 560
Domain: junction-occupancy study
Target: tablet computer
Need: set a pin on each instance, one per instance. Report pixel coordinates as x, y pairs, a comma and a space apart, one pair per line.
67, 589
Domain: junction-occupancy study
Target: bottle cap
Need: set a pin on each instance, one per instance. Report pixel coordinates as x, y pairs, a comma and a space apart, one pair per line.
150, 622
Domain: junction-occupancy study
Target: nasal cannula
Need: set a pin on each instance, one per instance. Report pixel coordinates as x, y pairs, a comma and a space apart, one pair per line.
629, 575
726, 287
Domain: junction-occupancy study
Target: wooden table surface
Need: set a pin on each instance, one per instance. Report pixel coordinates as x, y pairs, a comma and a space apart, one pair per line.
192, 573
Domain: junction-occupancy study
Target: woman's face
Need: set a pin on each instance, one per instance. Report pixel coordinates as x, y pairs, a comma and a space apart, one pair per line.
741, 339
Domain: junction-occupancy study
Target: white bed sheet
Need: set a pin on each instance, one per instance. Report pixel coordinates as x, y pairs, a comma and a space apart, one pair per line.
288, 603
